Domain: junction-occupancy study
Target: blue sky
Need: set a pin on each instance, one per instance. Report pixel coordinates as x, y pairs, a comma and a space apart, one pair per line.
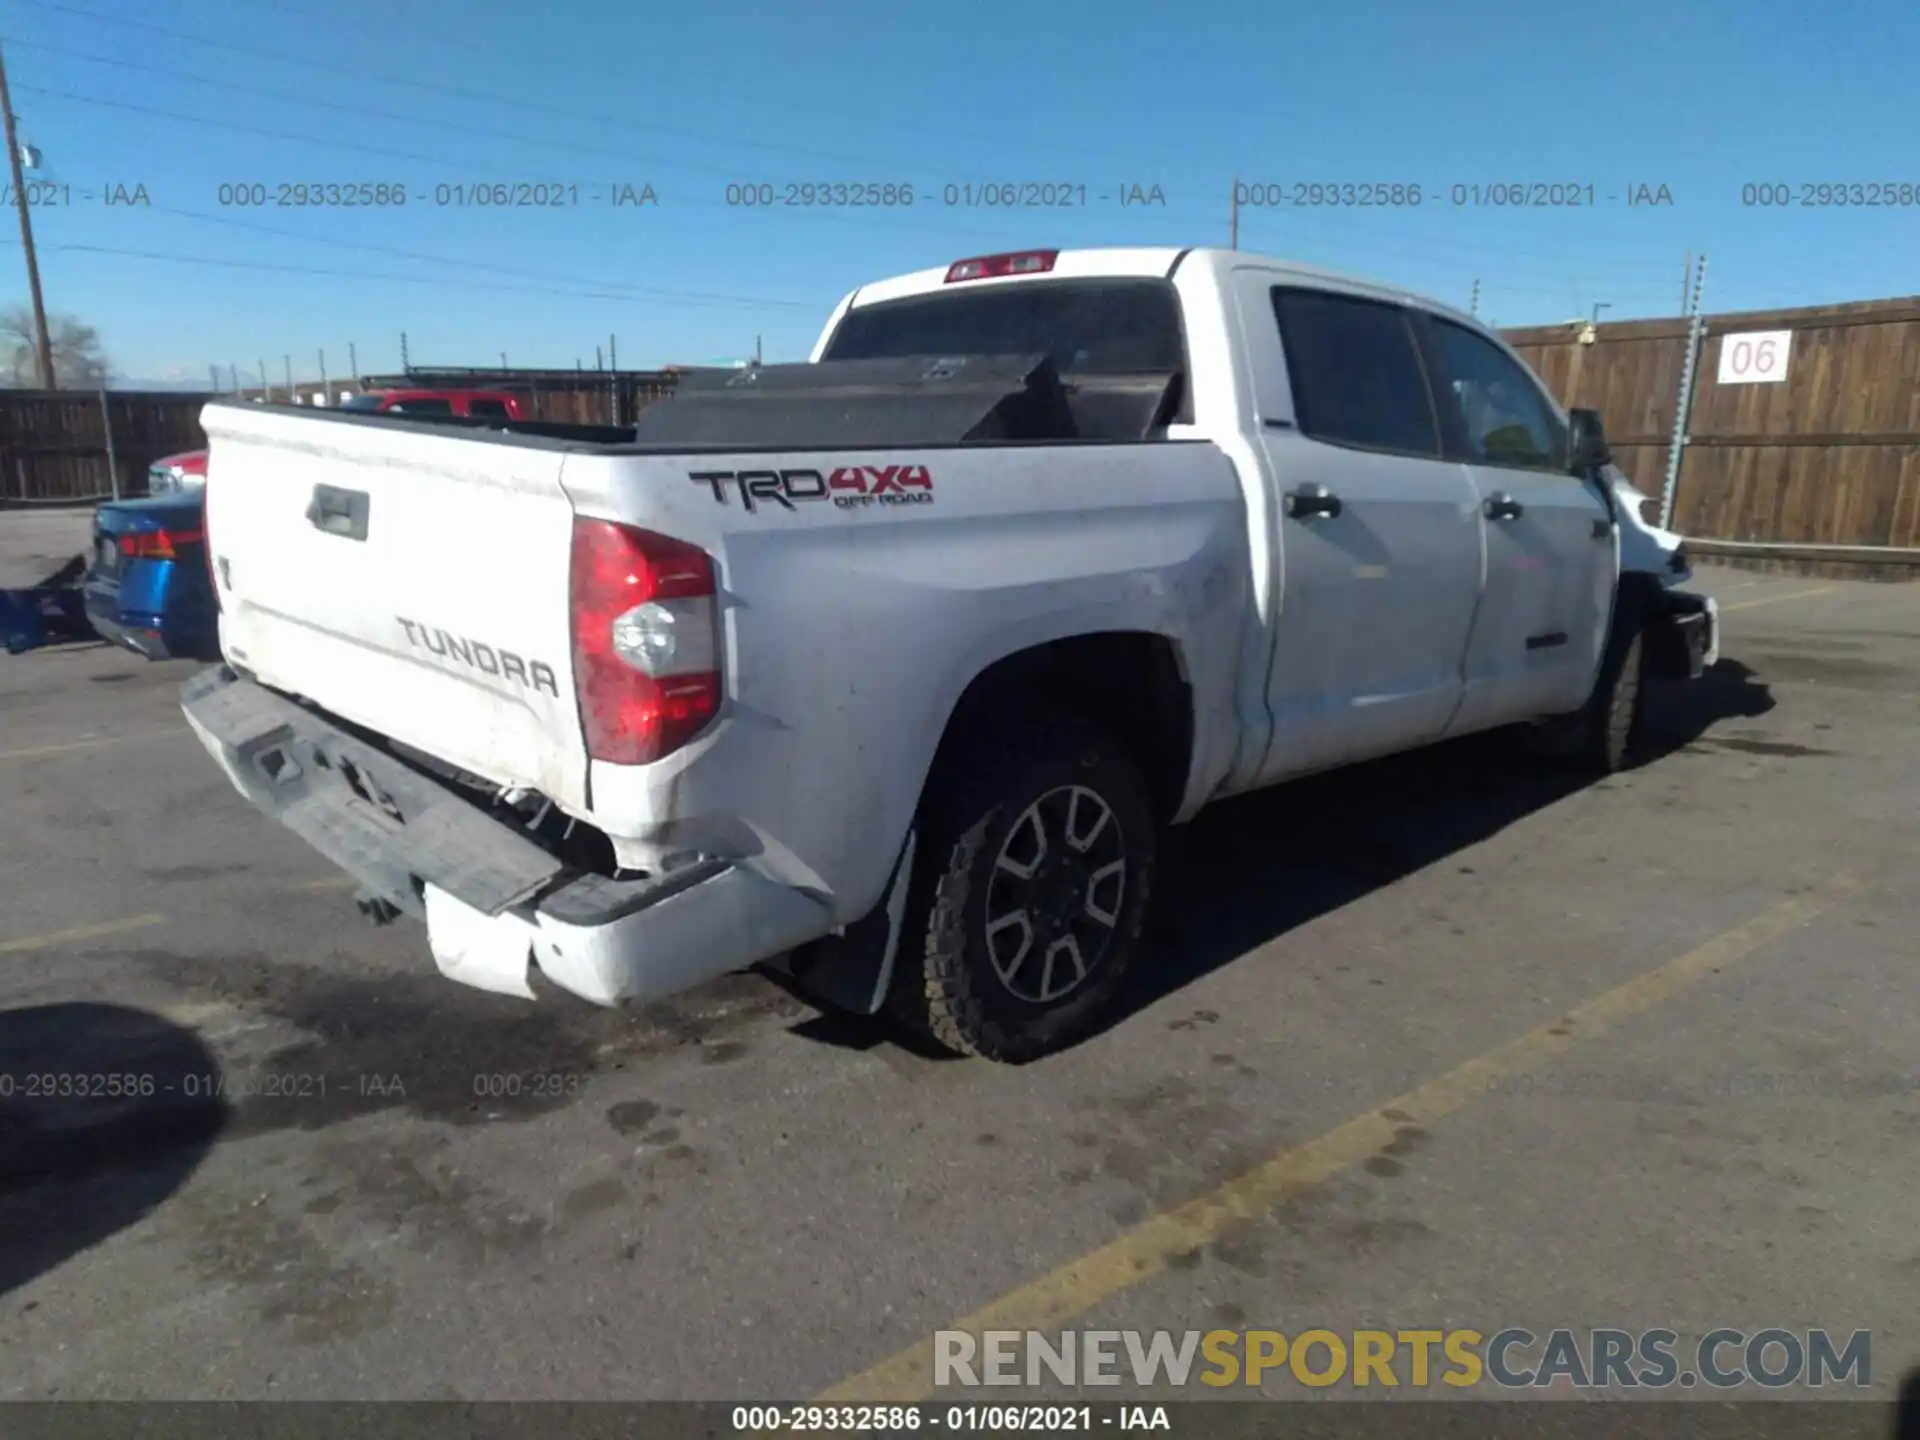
183, 98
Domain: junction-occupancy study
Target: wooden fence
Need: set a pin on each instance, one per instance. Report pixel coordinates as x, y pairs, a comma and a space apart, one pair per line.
1825, 461
1828, 456
54, 443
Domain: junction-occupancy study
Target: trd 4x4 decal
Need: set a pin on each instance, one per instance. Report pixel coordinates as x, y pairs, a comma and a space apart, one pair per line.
847, 486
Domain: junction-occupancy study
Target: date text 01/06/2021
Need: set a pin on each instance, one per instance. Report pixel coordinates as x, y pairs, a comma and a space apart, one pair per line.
1408, 194
959, 1419
965, 195
196, 1085
459, 195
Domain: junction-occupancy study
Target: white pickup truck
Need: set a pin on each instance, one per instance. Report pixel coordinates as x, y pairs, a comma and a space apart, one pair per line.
887, 669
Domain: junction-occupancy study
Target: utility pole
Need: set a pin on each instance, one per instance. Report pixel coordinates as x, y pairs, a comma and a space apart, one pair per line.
1233, 217
406, 365
1686, 279
353, 363
213, 373
42, 342
326, 395
613, 352
292, 399
1683, 411
1473, 305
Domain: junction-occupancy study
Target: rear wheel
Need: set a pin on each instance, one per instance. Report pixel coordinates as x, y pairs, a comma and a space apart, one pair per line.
1037, 860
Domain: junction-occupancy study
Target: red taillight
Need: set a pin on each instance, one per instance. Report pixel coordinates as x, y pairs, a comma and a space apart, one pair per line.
1018, 262
646, 653
158, 544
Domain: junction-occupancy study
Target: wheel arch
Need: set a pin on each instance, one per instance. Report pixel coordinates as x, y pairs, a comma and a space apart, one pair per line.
1133, 683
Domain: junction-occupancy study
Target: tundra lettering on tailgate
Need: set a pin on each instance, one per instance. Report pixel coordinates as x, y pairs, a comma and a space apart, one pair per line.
487, 659
847, 486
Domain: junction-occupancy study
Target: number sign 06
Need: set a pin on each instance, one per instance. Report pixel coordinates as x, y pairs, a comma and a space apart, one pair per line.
1755, 357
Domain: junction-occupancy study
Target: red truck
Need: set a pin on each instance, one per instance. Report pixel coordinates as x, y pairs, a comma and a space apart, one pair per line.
188, 470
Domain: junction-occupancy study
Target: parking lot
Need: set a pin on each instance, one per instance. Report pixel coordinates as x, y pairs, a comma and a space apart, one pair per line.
1445, 1041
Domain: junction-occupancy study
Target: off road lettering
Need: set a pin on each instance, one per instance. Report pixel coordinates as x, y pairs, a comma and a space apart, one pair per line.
846, 486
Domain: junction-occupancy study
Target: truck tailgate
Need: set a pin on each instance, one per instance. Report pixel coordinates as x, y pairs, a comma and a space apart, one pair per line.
409, 579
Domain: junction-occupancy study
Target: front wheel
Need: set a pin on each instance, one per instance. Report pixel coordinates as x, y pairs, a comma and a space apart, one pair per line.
1602, 737
1030, 891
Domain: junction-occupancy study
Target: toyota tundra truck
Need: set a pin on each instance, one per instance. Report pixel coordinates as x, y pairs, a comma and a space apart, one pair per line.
888, 669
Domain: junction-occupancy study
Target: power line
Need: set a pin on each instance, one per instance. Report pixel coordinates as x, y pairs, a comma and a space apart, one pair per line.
449, 282
1422, 244
891, 221
1411, 246
515, 102
520, 103
362, 111
944, 135
855, 215
635, 292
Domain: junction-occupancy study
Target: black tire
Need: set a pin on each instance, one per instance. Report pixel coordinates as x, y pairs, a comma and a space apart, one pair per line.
1609, 738
1602, 737
977, 827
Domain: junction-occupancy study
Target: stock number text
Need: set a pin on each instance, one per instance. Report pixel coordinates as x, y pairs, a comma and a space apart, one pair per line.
1868, 195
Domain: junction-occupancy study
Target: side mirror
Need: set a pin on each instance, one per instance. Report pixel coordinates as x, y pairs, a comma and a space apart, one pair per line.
1587, 447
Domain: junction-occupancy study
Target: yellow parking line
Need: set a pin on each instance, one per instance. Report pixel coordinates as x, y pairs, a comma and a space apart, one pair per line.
139, 922
1777, 599
79, 932
36, 752
1158, 1242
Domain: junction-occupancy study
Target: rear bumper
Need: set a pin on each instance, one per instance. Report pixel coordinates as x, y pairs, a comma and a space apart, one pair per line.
145, 610
496, 904
137, 635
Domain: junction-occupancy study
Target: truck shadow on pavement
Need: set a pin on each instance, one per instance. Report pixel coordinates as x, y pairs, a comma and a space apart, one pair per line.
105, 1111
1252, 868
1255, 867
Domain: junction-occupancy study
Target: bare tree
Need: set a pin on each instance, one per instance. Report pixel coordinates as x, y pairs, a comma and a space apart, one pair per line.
79, 362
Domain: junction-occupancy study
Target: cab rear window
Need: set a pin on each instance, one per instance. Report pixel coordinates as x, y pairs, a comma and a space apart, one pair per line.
1087, 327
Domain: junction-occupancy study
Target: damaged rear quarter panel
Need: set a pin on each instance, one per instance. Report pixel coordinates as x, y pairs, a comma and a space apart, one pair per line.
850, 632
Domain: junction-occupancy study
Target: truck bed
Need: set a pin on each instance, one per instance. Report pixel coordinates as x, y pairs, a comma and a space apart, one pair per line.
919, 401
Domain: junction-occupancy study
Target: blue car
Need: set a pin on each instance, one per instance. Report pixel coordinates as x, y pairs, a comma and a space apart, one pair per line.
148, 587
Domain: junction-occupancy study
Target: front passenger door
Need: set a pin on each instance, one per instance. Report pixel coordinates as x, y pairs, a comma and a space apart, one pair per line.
1550, 540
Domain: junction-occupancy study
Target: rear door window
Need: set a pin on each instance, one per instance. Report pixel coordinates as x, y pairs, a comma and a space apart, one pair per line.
428, 405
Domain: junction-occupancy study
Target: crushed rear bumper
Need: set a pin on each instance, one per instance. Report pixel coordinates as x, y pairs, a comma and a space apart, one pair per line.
496, 904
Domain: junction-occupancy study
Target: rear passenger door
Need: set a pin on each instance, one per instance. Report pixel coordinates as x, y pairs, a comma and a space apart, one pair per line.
1380, 532
1549, 535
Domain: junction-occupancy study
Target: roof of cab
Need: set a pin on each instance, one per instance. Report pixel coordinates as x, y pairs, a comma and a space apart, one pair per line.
1146, 262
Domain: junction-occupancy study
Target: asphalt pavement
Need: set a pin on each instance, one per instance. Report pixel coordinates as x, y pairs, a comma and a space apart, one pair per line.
1445, 1041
